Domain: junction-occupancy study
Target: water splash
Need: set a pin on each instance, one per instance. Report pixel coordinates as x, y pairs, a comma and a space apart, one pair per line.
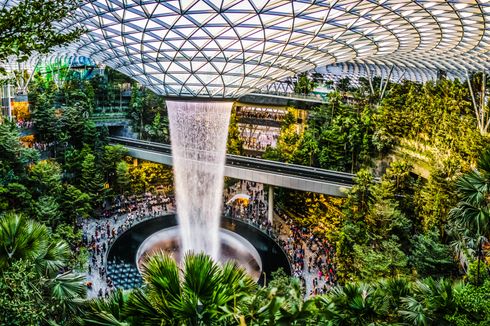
198, 133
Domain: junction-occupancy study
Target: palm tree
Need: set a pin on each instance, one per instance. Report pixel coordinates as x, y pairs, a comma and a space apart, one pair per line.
390, 293
353, 304
472, 214
108, 312
24, 239
414, 312
430, 302
21, 238
269, 306
198, 293
304, 85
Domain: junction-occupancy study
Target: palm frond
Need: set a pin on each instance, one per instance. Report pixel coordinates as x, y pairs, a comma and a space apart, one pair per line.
107, 312
414, 312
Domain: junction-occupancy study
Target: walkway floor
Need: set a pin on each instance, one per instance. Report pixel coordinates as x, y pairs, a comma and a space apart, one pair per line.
94, 276
97, 277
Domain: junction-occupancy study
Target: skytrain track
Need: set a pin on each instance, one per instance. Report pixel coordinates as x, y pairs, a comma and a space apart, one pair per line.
294, 170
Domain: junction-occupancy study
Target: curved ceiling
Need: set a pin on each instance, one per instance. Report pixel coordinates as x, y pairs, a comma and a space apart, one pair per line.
226, 48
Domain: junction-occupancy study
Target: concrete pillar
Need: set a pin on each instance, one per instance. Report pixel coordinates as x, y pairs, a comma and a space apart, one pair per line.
270, 211
9, 103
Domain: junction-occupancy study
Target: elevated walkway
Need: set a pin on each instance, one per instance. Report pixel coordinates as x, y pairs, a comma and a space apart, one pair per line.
272, 173
280, 99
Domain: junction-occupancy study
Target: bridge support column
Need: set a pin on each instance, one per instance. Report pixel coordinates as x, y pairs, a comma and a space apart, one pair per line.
270, 210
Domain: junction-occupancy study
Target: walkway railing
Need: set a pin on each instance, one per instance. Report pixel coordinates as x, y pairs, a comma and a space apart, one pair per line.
292, 96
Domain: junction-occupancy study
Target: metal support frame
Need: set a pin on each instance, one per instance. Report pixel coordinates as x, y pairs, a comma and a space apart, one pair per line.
386, 83
370, 79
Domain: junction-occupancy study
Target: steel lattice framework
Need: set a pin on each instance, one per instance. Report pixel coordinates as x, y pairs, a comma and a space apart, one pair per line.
225, 48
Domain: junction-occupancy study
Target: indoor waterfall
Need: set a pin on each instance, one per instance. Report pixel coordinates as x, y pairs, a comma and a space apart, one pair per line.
198, 132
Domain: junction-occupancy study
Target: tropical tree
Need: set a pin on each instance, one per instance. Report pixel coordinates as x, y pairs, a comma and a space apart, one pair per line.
429, 256
45, 178
105, 311
112, 155
91, 180
343, 85
47, 210
352, 304
304, 85
472, 214
75, 203
195, 297
281, 302
235, 142
198, 292
158, 129
19, 295
123, 177
24, 240
430, 303
29, 26
14, 156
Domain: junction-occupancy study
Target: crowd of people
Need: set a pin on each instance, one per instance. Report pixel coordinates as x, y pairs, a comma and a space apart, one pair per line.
311, 257
252, 210
262, 114
24, 124
116, 218
259, 140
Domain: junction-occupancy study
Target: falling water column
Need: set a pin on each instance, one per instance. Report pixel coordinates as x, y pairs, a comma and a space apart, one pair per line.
198, 133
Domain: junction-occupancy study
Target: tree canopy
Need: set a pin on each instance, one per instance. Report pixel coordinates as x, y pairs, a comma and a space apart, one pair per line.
33, 26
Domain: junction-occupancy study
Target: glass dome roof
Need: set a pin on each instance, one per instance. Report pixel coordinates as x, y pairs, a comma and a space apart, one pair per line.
226, 48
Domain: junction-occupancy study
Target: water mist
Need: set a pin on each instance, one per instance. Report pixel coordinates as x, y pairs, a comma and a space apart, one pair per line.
198, 133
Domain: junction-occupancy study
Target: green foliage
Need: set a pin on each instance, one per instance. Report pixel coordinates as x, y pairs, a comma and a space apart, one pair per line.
45, 178
235, 142
158, 130
470, 219
46, 210
15, 158
430, 303
343, 85
91, 180
30, 26
355, 304
197, 294
123, 176
15, 196
147, 175
436, 197
148, 109
78, 257
473, 305
304, 85
288, 141
338, 136
20, 300
373, 240
75, 203
111, 157
475, 278
27, 247
386, 259
435, 114
429, 256
281, 282
108, 311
